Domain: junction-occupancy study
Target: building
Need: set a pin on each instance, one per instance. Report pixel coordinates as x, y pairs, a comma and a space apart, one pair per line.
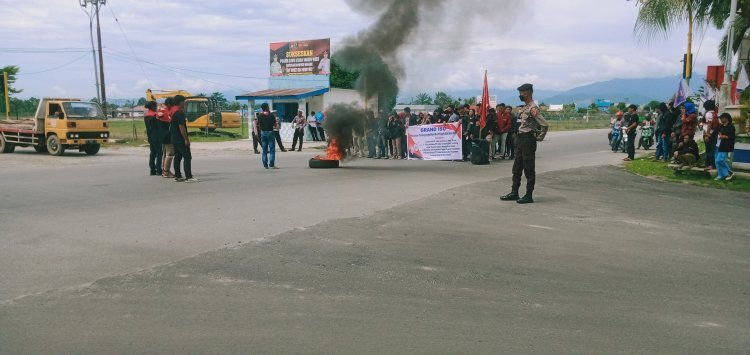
299, 80
138, 111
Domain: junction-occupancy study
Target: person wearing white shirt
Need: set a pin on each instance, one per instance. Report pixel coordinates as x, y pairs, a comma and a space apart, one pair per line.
312, 125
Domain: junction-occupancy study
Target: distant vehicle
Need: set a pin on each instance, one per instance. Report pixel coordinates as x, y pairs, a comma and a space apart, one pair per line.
59, 124
201, 112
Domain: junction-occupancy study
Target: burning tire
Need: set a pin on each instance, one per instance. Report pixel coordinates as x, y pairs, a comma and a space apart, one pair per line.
323, 164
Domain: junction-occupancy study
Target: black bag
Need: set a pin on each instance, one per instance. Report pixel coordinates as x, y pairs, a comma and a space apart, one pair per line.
480, 152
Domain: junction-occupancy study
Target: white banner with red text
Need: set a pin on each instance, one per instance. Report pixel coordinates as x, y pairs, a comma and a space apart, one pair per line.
434, 142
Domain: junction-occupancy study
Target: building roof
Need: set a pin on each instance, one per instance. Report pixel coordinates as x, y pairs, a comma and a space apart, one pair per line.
132, 109
282, 94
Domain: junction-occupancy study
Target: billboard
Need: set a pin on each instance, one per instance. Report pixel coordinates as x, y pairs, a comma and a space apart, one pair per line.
310, 57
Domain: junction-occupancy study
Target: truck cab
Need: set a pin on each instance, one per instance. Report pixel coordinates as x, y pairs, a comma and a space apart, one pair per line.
72, 123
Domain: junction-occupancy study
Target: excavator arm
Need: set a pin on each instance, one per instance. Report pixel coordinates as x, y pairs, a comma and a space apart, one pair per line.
162, 94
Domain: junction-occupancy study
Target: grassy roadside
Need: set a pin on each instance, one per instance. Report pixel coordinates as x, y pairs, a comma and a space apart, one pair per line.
133, 132
568, 125
660, 171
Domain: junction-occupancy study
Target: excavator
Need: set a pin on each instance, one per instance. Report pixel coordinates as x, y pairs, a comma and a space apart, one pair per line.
201, 112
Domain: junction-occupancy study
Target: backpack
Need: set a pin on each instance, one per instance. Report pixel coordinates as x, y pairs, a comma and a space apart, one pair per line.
162, 114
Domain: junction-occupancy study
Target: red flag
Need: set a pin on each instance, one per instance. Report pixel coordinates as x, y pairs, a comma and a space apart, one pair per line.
485, 108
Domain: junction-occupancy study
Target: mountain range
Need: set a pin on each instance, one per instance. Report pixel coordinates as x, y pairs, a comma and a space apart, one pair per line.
635, 91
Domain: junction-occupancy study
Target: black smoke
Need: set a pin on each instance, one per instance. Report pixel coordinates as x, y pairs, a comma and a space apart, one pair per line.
440, 28
340, 122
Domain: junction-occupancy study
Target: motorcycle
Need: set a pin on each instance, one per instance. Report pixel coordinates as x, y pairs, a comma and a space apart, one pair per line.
624, 142
615, 138
647, 137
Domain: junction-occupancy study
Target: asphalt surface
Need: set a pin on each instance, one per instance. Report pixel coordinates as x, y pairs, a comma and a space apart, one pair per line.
377, 257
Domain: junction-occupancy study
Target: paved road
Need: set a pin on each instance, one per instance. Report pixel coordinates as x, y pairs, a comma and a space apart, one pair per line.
382, 256
74, 219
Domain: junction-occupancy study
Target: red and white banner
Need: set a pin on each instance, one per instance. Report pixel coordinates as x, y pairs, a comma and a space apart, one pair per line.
434, 142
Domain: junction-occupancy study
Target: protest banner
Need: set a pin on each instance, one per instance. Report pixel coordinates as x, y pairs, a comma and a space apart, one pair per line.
434, 142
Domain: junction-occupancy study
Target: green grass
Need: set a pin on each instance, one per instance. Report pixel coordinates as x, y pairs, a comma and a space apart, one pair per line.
569, 125
133, 132
660, 171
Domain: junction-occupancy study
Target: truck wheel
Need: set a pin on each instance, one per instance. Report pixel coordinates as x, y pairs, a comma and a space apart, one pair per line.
40, 148
92, 149
54, 147
6, 147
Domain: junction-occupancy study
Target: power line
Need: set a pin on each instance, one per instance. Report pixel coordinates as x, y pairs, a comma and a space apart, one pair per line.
128, 42
201, 71
43, 50
55, 68
175, 70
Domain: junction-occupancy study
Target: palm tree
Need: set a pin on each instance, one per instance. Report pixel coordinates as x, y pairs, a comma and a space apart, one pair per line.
660, 17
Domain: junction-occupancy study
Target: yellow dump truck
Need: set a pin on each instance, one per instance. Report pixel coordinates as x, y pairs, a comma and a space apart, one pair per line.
200, 112
59, 124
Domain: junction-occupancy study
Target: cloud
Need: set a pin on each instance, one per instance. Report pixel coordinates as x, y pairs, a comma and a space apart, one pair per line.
552, 43
58, 91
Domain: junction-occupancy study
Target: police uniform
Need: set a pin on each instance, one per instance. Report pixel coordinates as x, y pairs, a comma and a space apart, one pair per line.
533, 127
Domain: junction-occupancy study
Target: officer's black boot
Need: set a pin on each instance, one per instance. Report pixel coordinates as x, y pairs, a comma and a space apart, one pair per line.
526, 199
512, 196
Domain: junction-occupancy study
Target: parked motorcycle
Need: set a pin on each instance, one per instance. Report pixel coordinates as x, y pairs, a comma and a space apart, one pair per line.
624, 143
647, 137
615, 138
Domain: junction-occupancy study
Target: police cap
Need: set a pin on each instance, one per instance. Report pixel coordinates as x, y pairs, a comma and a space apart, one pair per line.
526, 87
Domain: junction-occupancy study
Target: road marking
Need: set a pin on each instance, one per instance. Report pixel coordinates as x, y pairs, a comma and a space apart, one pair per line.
708, 325
540, 227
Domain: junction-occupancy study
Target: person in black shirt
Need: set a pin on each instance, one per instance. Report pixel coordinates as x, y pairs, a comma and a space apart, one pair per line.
181, 142
154, 143
489, 132
266, 123
631, 122
687, 152
725, 145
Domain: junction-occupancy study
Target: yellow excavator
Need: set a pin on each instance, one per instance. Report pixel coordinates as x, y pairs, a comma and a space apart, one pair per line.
200, 112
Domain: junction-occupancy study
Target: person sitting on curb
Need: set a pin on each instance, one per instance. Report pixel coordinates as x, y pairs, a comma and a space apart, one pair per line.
687, 152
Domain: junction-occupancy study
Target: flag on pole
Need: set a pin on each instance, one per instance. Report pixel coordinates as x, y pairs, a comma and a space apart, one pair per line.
708, 92
484, 110
742, 81
682, 94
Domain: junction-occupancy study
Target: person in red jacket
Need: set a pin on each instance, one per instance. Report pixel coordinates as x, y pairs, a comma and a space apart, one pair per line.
689, 119
503, 127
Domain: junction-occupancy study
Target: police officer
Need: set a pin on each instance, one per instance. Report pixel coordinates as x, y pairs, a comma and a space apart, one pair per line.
533, 127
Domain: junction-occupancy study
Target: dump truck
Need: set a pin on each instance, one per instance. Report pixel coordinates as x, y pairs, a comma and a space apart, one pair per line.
200, 112
59, 124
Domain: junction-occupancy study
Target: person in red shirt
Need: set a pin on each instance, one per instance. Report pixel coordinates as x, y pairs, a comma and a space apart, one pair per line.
503, 127
154, 143
164, 118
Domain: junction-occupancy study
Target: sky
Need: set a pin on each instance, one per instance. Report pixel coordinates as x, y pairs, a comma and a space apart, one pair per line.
207, 46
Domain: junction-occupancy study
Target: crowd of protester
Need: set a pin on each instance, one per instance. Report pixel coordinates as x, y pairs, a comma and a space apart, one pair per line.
386, 134
675, 132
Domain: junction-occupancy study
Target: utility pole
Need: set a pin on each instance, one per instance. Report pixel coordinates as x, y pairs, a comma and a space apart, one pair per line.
726, 87
90, 14
7, 95
688, 65
95, 6
103, 87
